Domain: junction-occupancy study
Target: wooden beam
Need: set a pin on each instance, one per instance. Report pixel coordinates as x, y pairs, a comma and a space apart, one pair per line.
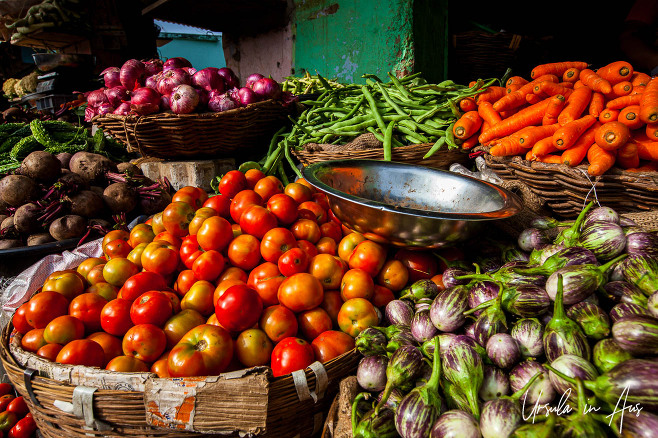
153, 5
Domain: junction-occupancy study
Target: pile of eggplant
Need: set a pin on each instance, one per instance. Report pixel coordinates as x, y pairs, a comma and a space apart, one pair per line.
555, 335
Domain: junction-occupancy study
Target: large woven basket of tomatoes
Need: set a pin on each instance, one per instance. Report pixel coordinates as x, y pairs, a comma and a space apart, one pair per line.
235, 313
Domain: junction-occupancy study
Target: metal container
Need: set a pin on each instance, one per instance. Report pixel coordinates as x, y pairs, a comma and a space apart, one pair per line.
408, 205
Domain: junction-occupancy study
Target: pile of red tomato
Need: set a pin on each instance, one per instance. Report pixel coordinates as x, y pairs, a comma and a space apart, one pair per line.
259, 274
15, 418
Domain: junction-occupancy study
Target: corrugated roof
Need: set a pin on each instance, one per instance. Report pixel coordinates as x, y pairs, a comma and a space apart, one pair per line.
171, 27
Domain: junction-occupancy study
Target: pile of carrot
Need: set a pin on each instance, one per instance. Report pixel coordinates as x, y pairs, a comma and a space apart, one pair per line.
568, 113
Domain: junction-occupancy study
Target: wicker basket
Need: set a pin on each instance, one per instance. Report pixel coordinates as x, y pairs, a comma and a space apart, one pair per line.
249, 402
207, 135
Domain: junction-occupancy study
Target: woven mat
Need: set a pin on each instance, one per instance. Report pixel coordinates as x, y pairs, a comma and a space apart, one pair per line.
361, 143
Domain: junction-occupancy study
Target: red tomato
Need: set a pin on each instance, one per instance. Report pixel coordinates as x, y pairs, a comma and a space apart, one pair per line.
160, 257
438, 280
331, 344
244, 252
206, 350
253, 176
6, 388
303, 213
310, 249
33, 340
43, 307
347, 245
220, 203
292, 262
291, 354
20, 321
141, 233
63, 329
215, 233
268, 187
300, 292
181, 323
448, 254
253, 348
184, 282
257, 220
115, 317
331, 229
393, 275
233, 273
168, 237
24, 428
200, 298
105, 290
327, 245
49, 351
208, 266
176, 218
118, 270
140, 283
299, 192
356, 315
319, 213
190, 250
332, 303
152, 307
145, 342
278, 322
156, 223
117, 248
382, 296
328, 269
87, 308
223, 286
194, 196
306, 229
238, 308
420, 264
5, 400
111, 344
306, 183
241, 201
69, 284
135, 255
127, 364
160, 367
95, 275
265, 279
357, 283
369, 256
85, 266
283, 207
199, 216
275, 242
313, 322
322, 200
231, 183
18, 406
82, 352
112, 235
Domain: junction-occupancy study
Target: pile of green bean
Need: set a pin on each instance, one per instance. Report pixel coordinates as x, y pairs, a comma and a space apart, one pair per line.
398, 112
307, 84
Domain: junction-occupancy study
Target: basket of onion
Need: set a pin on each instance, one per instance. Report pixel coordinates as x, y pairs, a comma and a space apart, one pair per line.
170, 110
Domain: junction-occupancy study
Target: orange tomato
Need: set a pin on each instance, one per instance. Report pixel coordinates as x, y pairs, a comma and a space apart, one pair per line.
327, 269
301, 292
357, 283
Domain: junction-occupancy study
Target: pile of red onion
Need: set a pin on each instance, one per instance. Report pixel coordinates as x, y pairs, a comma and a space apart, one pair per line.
152, 86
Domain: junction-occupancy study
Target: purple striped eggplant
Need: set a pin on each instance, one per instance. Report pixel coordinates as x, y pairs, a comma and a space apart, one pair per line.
455, 397
605, 214
495, 383
526, 301
423, 288
447, 310
514, 254
380, 424
574, 255
546, 223
580, 281
642, 272
371, 342
532, 238
642, 243
455, 423
591, 318
489, 264
422, 328
581, 424
637, 334
423, 304
400, 338
562, 335
633, 229
636, 424
451, 276
446, 341
615, 273
507, 275
399, 312
501, 416
622, 310
404, 365
371, 373
393, 400
627, 222
605, 239
622, 291
503, 350
652, 305
541, 391
607, 354
573, 367
538, 257
469, 330
462, 366
529, 334
491, 321
481, 292
570, 235
545, 429
634, 381
419, 409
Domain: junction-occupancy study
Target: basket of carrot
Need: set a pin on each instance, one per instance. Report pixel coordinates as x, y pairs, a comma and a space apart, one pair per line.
569, 132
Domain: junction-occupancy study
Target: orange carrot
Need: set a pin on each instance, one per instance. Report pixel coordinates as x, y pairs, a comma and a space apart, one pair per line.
467, 125
640, 78
612, 135
622, 88
551, 158
551, 89
647, 149
517, 98
652, 131
576, 104
532, 134
484, 126
470, 142
516, 80
491, 94
544, 147
600, 160
651, 166
630, 116
638, 89
623, 101
576, 153
556, 68
512, 88
571, 75
616, 72
627, 156
597, 103
467, 104
529, 116
533, 98
568, 133
530, 156
555, 105
649, 102
608, 115
488, 114
506, 148
507, 113
594, 81
578, 84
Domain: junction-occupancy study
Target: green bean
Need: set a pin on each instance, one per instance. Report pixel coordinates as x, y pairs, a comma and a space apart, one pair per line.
286, 153
373, 107
440, 142
418, 138
387, 98
274, 138
371, 76
353, 110
399, 86
450, 137
282, 174
377, 135
388, 136
408, 78
324, 83
343, 133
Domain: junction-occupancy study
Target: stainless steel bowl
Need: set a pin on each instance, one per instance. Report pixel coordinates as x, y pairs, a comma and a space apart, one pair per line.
407, 205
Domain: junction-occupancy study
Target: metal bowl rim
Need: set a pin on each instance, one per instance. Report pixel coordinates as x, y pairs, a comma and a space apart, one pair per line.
511, 202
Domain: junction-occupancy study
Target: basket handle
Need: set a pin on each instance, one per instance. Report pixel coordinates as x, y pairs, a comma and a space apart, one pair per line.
28, 374
82, 406
301, 384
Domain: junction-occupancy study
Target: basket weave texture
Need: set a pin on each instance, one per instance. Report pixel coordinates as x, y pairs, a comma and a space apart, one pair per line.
204, 135
253, 403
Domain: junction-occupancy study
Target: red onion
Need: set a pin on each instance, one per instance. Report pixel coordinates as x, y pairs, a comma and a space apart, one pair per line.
153, 66
184, 99
267, 88
252, 79
164, 102
221, 102
89, 113
230, 78
190, 70
204, 97
104, 108
132, 73
123, 109
145, 101
172, 78
176, 62
233, 92
247, 96
208, 79
111, 77
152, 81
116, 95
96, 97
